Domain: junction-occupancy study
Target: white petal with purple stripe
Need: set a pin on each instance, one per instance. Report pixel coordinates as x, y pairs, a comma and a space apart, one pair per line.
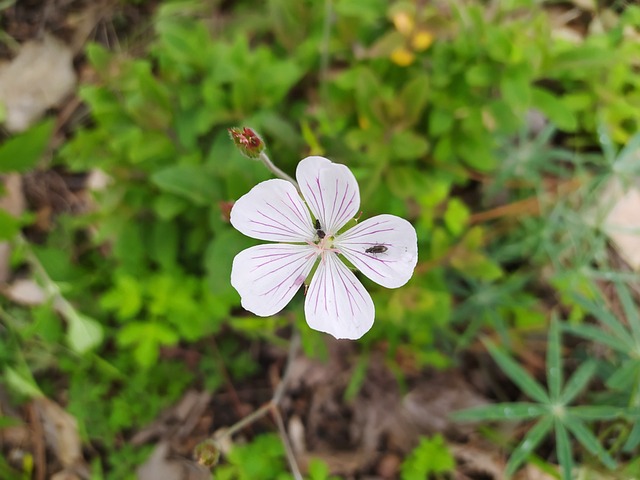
268, 276
336, 302
273, 210
384, 248
331, 192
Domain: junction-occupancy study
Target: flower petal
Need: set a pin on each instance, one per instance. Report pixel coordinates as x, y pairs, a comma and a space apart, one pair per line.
384, 248
273, 210
268, 276
336, 302
330, 190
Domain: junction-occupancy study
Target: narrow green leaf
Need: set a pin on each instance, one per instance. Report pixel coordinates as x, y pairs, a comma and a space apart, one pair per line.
563, 450
578, 381
598, 335
626, 375
607, 318
633, 440
604, 412
501, 411
554, 366
530, 441
23, 151
589, 440
518, 375
630, 310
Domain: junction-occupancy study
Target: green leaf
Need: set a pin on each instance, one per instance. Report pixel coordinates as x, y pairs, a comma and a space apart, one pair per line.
431, 456
84, 333
528, 444
625, 376
456, 216
633, 440
24, 384
515, 87
501, 411
414, 98
578, 381
9, 225
518, 375
563, 450
554, 365
604, 412
589, 441
554, 108
607, 318
188, 181
23, 151
630, 310
598, 335
407, 145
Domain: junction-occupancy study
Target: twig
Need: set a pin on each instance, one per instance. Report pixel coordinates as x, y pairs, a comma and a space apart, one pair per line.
291, 458
271, 406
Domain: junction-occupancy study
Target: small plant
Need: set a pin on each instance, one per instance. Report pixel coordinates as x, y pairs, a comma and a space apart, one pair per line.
552, 409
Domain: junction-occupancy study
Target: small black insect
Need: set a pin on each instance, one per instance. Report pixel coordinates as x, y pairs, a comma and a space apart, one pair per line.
376, 249
319, 230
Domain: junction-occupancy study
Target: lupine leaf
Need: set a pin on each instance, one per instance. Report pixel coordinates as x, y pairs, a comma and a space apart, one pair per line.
589, 440
518, 375
563, 450
530, 441
578, 381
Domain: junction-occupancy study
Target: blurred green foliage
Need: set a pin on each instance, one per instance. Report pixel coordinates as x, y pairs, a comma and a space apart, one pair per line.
433, 107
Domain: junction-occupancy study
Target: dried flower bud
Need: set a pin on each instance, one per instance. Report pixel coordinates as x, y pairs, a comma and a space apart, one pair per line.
248, 142
207, 453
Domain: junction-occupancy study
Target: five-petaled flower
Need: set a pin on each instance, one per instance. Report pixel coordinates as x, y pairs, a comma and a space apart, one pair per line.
384, 248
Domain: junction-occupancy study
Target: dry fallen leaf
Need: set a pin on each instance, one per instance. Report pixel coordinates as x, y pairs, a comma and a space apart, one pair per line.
25, 292
60, 431
38, 78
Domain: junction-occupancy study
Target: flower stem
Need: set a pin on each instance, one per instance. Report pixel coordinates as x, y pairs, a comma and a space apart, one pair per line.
275, 170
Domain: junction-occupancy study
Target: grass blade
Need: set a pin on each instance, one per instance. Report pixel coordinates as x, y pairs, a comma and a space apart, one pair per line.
530, 441
563, 450
578, 381
589, 440
554, 367
501, 411
518, 375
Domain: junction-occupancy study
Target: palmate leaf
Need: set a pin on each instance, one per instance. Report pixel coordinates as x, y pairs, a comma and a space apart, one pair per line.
518, 375
530, 441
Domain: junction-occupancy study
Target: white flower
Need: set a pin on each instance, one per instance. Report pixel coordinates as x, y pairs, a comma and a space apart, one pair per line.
384, 248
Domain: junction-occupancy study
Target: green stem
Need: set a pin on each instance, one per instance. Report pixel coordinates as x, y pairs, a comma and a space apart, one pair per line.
275, 170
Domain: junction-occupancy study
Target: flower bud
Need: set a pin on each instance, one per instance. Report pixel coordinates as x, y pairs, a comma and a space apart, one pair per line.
207, 453
248, 142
